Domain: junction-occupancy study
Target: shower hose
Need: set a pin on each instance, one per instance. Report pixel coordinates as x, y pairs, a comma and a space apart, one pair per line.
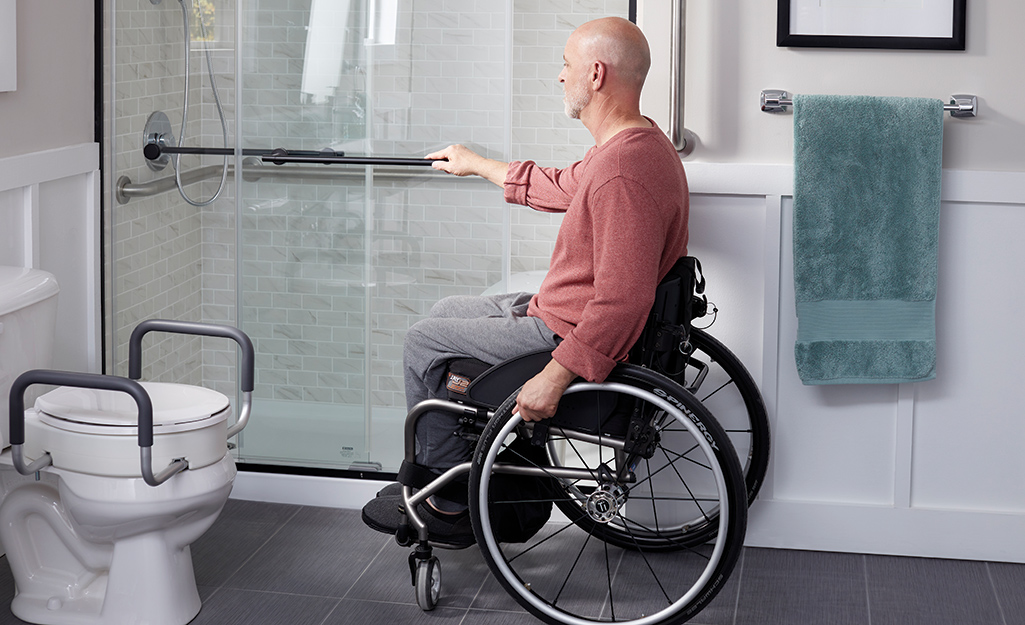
185, 110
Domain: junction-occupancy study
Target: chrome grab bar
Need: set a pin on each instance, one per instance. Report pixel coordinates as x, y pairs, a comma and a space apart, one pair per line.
252, 171
961, 105
677, 133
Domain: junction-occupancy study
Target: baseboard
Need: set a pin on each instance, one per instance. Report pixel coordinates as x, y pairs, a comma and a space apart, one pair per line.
930, 533
305, 490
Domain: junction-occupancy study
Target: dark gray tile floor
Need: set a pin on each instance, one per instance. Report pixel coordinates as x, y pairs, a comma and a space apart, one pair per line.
272, 564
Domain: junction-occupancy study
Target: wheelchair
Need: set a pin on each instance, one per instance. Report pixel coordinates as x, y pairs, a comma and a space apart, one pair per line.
630, 504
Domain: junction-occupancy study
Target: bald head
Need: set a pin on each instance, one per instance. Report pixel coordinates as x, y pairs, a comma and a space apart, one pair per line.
620, 45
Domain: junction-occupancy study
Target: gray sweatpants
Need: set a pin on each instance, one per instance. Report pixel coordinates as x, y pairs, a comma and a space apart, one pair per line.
488, 328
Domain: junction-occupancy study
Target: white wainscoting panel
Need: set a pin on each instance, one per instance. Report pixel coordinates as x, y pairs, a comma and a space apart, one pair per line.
50, 220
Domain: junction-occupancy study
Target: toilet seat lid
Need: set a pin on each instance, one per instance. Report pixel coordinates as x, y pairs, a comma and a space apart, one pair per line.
176, 408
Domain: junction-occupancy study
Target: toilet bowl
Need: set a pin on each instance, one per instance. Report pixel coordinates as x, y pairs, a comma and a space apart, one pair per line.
106, 538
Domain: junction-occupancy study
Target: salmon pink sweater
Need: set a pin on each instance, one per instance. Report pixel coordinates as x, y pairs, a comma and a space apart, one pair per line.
626, 206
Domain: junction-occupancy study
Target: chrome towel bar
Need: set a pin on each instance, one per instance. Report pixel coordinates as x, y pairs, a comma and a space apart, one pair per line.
961, 105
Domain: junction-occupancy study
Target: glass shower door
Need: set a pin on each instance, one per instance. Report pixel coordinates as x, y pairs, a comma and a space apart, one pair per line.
337, 261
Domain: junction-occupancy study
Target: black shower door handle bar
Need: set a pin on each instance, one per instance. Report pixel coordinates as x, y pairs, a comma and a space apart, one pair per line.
345, 160
280, 156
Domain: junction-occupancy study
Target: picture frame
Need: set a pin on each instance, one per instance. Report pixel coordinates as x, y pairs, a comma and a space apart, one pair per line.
893, 25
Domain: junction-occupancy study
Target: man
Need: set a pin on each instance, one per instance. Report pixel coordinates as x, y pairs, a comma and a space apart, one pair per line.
626, 208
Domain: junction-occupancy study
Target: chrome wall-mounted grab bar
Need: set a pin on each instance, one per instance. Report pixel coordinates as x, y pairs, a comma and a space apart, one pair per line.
664, 25
253, 170
961, 105
677, 133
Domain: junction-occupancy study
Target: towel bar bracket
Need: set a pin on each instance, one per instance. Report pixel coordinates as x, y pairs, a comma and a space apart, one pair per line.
775, 100
961, 105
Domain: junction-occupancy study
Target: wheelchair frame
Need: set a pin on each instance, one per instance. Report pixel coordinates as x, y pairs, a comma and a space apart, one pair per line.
723, 526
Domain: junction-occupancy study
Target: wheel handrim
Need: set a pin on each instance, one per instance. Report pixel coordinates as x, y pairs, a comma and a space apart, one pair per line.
523, 588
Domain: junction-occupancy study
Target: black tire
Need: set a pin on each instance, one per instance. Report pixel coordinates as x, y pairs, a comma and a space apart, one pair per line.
731, 395
609, 561
721, 382
428, 583
716, 378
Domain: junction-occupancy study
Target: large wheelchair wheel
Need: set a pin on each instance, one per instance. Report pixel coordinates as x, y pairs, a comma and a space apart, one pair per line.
717, 379
607, 562
722, 384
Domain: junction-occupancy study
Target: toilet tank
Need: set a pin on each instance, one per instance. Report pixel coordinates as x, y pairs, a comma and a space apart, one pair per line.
28, 321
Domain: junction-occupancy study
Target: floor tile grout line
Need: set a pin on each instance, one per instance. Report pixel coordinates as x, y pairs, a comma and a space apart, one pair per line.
466, 614
348, 590
608, 595
996, 595
739, 571
306, 595
868, 596
331, 611
480, 588
216, 590
252, 555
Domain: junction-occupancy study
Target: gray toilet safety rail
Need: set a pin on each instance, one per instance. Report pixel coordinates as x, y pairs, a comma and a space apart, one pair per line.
129, 385
247, 364
92, 381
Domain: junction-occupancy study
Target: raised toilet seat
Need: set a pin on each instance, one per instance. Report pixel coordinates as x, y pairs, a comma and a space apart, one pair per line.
110, 542
95, 431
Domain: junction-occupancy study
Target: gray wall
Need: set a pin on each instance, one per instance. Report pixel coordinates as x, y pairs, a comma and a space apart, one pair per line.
53, 104
732, 56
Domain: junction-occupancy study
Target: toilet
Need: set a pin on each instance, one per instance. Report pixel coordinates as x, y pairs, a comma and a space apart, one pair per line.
28, 322
92, 540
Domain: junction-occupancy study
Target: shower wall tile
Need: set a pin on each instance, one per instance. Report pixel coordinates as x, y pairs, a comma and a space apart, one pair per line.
157, 251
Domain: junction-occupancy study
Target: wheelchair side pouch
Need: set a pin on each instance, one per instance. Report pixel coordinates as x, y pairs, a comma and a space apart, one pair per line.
461, 373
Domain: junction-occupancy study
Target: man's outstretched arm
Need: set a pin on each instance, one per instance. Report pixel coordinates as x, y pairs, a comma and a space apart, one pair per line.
463, 161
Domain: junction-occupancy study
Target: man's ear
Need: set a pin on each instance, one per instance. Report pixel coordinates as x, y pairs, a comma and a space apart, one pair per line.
598, 75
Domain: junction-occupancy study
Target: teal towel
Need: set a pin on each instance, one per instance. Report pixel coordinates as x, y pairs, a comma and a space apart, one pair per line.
866, 225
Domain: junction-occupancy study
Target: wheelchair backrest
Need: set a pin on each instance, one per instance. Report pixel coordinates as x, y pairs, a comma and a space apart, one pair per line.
679, 299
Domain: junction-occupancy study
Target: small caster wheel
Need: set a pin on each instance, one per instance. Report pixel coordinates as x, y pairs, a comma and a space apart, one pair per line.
428, 583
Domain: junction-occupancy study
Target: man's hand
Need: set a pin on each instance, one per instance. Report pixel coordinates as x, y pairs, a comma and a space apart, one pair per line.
463, 161
539, 397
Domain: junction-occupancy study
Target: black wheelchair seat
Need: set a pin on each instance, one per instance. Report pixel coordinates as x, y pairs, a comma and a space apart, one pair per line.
488, 386
476, 383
